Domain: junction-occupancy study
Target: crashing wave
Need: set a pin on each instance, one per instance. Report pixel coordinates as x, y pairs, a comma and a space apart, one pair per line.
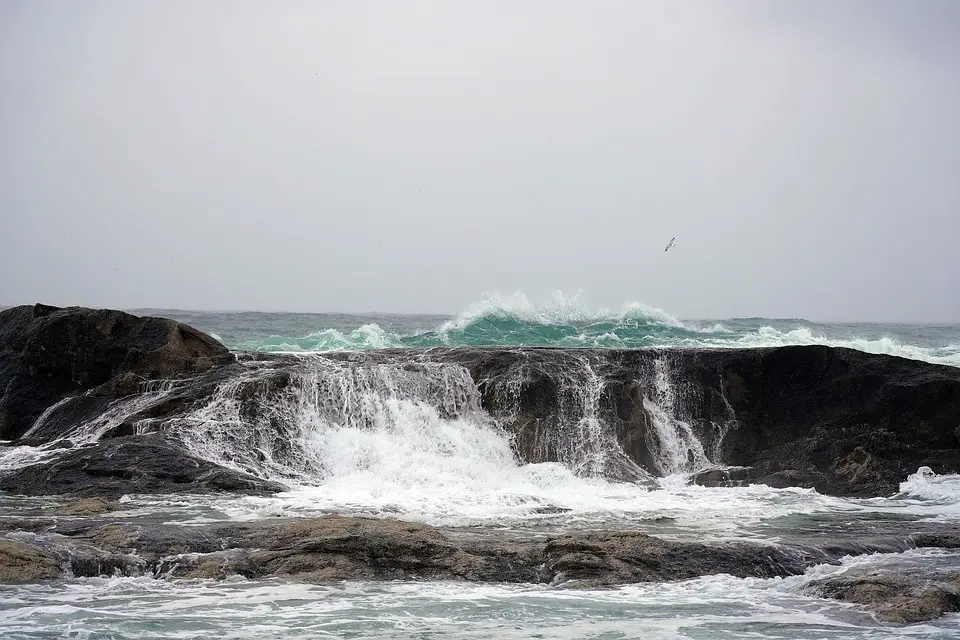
567, 321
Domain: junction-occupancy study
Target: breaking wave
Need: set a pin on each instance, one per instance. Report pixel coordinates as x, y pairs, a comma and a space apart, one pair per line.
566, 321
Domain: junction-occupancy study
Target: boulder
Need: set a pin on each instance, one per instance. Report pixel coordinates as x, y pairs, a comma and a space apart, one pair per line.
48, 353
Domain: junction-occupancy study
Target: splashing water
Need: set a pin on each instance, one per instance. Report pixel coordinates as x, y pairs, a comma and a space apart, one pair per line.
675, 446
717, 607
86, 432
563, 321
389, 437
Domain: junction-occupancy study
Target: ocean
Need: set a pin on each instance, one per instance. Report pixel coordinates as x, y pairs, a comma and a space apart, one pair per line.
564, 322
398, 453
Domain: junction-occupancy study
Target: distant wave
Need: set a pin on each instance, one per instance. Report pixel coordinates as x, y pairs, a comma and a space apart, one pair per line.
565, 321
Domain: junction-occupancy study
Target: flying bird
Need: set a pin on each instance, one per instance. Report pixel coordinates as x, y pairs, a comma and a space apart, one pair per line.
670, 244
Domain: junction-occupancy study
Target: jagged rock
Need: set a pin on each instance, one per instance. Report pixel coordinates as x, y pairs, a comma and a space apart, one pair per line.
341, 548
335, 548
941, 540
838, 420
32, 525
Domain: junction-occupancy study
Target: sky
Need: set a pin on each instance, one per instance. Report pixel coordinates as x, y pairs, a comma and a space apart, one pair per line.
414, 156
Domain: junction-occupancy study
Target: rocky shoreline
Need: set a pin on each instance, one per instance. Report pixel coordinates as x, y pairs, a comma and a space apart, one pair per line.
75, 541
100, 398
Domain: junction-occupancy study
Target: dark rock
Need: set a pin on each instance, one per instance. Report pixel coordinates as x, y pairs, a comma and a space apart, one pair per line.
33, 525
841, 421
837, 420
896, 598
592, 560
339, 548
941, 540
732, 477
847, 422
48, 353
136, 464
335, 548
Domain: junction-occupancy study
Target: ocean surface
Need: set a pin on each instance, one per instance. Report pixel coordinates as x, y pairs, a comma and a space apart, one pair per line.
390, 452
565, 321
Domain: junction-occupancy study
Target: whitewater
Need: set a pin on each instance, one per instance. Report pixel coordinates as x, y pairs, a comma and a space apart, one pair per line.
385, 439
561, 321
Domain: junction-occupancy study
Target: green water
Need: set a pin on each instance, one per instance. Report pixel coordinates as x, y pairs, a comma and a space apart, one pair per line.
563, 324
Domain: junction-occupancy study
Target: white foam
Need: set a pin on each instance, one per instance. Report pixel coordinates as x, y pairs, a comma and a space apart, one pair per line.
84, 433
367, 336
929, 487
717, 606
413, 442
12, 458
560, 309
672, 441
771, 337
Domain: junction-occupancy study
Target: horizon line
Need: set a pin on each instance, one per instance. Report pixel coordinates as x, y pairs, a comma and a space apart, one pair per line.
132, 309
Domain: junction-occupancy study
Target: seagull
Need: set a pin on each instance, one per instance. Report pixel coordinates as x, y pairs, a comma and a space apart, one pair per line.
670, 244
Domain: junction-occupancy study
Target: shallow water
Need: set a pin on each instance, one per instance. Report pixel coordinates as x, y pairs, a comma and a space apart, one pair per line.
674, 509
710, 607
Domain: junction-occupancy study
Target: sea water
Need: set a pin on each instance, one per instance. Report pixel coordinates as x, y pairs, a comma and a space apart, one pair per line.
399, 456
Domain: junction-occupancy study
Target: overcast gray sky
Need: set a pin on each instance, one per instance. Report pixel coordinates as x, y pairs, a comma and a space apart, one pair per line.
410, 156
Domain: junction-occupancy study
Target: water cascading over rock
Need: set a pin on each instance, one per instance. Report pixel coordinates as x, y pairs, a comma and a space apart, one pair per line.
130, 404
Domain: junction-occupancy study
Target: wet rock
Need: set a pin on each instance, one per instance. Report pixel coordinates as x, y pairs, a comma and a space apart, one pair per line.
941, 540
735, 477
335, 548
340, 548
592, 560
88, 507
840, 421
896, 598
21, 563
48, 353
146, 464
32, 525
